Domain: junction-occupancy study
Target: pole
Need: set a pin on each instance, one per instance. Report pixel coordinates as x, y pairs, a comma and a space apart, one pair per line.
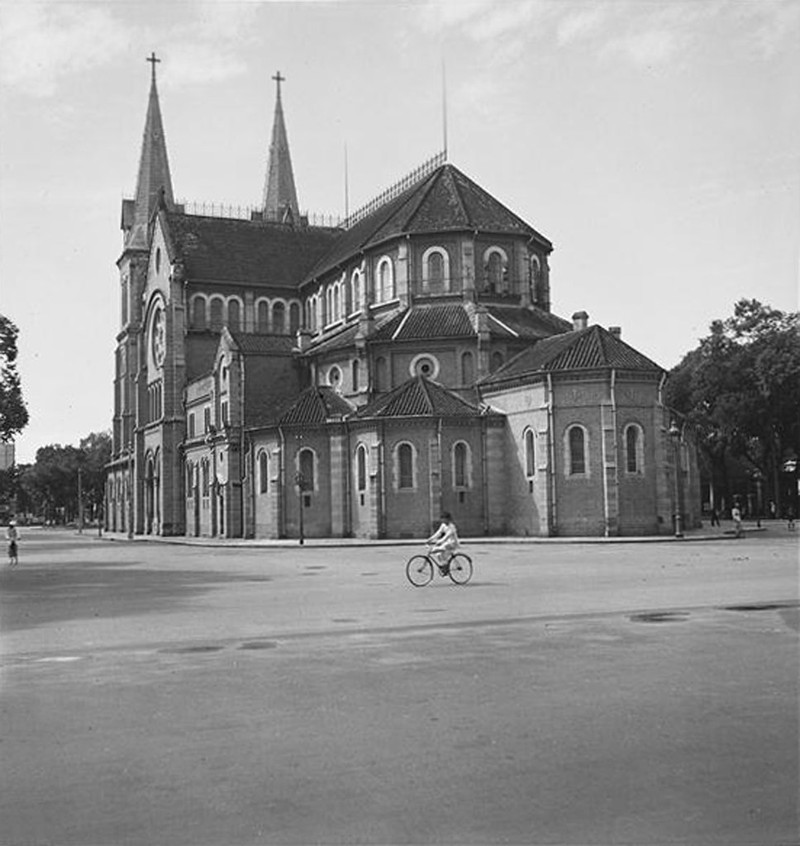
131, 487
675, 435
80, 501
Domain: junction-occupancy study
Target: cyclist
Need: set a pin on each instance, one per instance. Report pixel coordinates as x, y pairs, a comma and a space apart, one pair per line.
444, 542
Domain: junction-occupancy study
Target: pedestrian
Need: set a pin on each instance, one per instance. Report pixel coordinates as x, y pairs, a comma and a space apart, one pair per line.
12, 535
714, 516
790, 518
736, 516
773, 510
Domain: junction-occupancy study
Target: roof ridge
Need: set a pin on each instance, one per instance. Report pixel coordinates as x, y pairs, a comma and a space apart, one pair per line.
460, 199
422, 192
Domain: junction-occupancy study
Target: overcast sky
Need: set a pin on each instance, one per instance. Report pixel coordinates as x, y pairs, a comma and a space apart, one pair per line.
656, 144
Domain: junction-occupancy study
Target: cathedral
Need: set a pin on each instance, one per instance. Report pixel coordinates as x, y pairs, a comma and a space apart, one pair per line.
275, 378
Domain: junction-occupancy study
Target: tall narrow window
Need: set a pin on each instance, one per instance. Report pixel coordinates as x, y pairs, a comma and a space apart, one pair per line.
279, 319
494, 272
381, 374
262, 318
435, 272
356, 285
530, 454
385, 290
263, 472
461, 465
361, 468
216, 313
234, 315
577, 451
355, 375
634, 449
124, 302
467, 368
305, 464
199, 313
405, 467
294, 318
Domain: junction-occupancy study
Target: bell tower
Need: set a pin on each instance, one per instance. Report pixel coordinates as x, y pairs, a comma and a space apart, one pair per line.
280, 195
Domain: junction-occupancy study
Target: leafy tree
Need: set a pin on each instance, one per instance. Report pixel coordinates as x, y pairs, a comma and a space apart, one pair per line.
741, 389
13, 413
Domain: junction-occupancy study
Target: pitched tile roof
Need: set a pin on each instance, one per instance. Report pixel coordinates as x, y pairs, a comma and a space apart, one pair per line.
429, 321
587, 349
529, 323
314, 406
419, 397
250, 344
446, 200
252, 252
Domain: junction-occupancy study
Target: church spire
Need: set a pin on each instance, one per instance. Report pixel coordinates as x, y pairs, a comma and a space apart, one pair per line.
153, 184
280, 196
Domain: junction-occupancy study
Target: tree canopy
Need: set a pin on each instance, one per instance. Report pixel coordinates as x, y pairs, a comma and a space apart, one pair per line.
13, 413
741, 389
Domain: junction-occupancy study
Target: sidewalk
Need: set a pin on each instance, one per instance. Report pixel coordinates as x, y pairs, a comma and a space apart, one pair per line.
705, 533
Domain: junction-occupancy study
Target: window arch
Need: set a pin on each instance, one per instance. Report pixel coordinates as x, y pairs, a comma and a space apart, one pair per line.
262, 316
263, 472
495, 265
467, 368
462, 465
576, 444
530, 453
279, 318
294, 318
199, 319
234, 315
385, 275
356, 288
306, 466
217, 313
361, 468
634, 449
381, 374
435, 270
535, 271
404, 466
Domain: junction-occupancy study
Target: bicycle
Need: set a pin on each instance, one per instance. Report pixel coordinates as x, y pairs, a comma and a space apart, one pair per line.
420, 568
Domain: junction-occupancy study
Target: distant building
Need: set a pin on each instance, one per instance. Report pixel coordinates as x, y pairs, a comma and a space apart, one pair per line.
358, 379
6, 455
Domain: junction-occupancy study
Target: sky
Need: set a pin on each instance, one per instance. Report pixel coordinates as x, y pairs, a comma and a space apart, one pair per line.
656, 144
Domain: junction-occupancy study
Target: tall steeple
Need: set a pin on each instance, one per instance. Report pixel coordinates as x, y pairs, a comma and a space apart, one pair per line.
280, 196
153, 182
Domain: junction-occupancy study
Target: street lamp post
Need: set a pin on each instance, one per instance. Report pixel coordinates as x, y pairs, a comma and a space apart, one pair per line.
675, 435
131, 487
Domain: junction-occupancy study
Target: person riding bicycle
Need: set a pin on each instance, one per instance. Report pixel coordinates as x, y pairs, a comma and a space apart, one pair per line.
444, 542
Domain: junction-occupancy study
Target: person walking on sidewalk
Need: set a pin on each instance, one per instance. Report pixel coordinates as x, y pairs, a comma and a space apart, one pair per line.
736, 516
12, 536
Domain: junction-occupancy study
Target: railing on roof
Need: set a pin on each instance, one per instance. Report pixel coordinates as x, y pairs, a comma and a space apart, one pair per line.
410, 179
234, 212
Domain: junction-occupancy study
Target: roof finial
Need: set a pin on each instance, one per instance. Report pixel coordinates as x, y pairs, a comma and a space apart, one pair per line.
152, 59
279, 79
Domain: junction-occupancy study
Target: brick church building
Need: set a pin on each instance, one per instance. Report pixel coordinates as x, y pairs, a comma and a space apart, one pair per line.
275, 377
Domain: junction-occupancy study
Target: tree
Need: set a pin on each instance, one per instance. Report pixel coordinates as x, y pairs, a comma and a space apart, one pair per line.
13, 413
741, 389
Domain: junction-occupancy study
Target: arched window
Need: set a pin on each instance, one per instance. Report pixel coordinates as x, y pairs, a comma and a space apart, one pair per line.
381, 374
535, 277
263, 472
494, 272
634, 449
199, 313
404, 466
324, 307
467, 368
189, 477
205, 477
305, 465
435, 272
496, 361
356, 286
234, 315
279, 319
217, 306
355, 373
530, 453
385, 290
361, 468
337, 302
262, 316
576, 451
294, 318
462, 469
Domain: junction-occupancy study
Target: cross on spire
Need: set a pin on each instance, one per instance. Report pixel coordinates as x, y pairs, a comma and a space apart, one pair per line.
152, 59
279, 79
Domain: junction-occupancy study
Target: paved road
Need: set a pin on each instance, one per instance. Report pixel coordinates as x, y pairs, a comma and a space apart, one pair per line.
641, 694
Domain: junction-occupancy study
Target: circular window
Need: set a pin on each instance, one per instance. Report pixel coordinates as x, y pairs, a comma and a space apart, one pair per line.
158, 337
424, 365
334, 377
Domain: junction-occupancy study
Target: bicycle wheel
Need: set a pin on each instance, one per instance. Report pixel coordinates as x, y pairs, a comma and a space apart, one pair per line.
419, 570
460, 568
